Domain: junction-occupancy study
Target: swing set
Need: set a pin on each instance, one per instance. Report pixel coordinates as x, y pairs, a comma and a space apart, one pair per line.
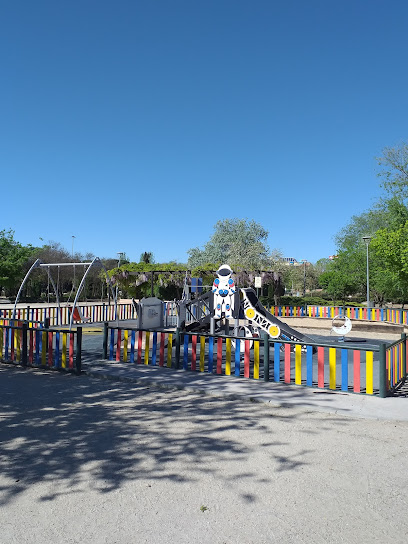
75, 312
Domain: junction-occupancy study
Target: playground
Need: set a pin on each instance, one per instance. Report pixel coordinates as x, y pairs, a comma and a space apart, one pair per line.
226, 332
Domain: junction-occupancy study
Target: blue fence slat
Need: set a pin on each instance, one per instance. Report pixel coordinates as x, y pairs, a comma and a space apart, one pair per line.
111, 344
57, 362
132, 346
185, 354
276, 363
309, 365
210, 354
237, 370
154, 349
344, 369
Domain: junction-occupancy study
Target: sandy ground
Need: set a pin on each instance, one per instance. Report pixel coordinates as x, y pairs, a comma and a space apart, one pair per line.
88, 460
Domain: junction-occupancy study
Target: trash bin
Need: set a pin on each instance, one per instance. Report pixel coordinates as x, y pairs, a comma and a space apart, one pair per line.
150, 315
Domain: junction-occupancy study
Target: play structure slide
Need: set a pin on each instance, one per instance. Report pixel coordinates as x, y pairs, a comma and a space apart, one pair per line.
260, 317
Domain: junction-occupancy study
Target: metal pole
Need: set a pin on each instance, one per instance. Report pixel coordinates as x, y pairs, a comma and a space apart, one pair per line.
368, 280
304, 278
367, 240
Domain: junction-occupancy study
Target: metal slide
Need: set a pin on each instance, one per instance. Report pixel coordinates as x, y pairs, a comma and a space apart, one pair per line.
260, 317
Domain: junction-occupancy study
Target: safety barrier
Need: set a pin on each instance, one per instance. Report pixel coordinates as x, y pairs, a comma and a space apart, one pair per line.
368, 370
396, 363
92, 313
389, 315
24, 344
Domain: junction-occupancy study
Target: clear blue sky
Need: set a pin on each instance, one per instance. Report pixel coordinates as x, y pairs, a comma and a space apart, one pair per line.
136, 125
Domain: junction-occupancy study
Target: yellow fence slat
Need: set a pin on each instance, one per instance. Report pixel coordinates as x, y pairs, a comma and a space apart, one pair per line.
298, 364
228, 357
332, 368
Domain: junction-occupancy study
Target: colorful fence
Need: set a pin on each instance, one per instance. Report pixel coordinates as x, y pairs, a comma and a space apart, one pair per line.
27, 345
100, 312
399, 317
371, 370
93, 313
396, 363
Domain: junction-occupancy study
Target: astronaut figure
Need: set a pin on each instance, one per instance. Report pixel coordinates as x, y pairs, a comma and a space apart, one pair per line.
224, 291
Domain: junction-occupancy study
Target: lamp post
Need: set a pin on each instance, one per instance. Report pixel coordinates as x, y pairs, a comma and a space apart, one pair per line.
304, 261
367, 240
120, 253
72, 252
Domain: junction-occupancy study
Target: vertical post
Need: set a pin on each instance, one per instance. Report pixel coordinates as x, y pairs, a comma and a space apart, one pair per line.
24, 350
367, 240
105, 341
404, 356
383, 372
266, 356
177, 361
46, 326
78, 357
368, 283
28, 313
212, 326
152, 279
304, 278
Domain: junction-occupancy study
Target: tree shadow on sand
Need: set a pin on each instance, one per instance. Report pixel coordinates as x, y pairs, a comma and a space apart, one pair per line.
71, 432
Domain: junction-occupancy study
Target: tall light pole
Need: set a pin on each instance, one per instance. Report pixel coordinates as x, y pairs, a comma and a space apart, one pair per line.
367, 240
72, 252
304, 261
120, 253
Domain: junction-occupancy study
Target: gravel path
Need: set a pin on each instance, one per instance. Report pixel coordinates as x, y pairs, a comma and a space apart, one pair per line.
88, 460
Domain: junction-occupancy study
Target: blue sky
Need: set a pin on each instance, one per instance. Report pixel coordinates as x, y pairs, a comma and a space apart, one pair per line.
137, 125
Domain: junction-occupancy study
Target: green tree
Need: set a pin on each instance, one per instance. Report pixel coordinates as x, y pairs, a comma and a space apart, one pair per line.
147, 257
236, 242
13, 260
394, 173
391, 246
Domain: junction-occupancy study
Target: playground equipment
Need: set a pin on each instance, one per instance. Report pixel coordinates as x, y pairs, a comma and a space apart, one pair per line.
225, 301
343, 329
75, 313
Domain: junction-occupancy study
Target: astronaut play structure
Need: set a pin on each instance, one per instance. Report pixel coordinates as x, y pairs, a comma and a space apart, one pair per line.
224, 290
226, 302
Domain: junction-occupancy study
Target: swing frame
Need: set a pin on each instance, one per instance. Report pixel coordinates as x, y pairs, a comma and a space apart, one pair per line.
39, 264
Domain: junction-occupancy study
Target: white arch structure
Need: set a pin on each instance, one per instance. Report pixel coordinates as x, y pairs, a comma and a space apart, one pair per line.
39, 264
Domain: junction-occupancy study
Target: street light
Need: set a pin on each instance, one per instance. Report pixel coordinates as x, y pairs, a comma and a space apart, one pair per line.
120, 253
304, 261
367, 240
72, 253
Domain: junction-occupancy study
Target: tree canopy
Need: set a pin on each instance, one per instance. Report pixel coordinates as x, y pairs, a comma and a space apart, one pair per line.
236, 242
13, 258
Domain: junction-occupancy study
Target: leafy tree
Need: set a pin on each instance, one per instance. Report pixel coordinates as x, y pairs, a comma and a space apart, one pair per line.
386, 213
235, 241
394, 173
147, 257
345, 275
13, 260
392, 247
